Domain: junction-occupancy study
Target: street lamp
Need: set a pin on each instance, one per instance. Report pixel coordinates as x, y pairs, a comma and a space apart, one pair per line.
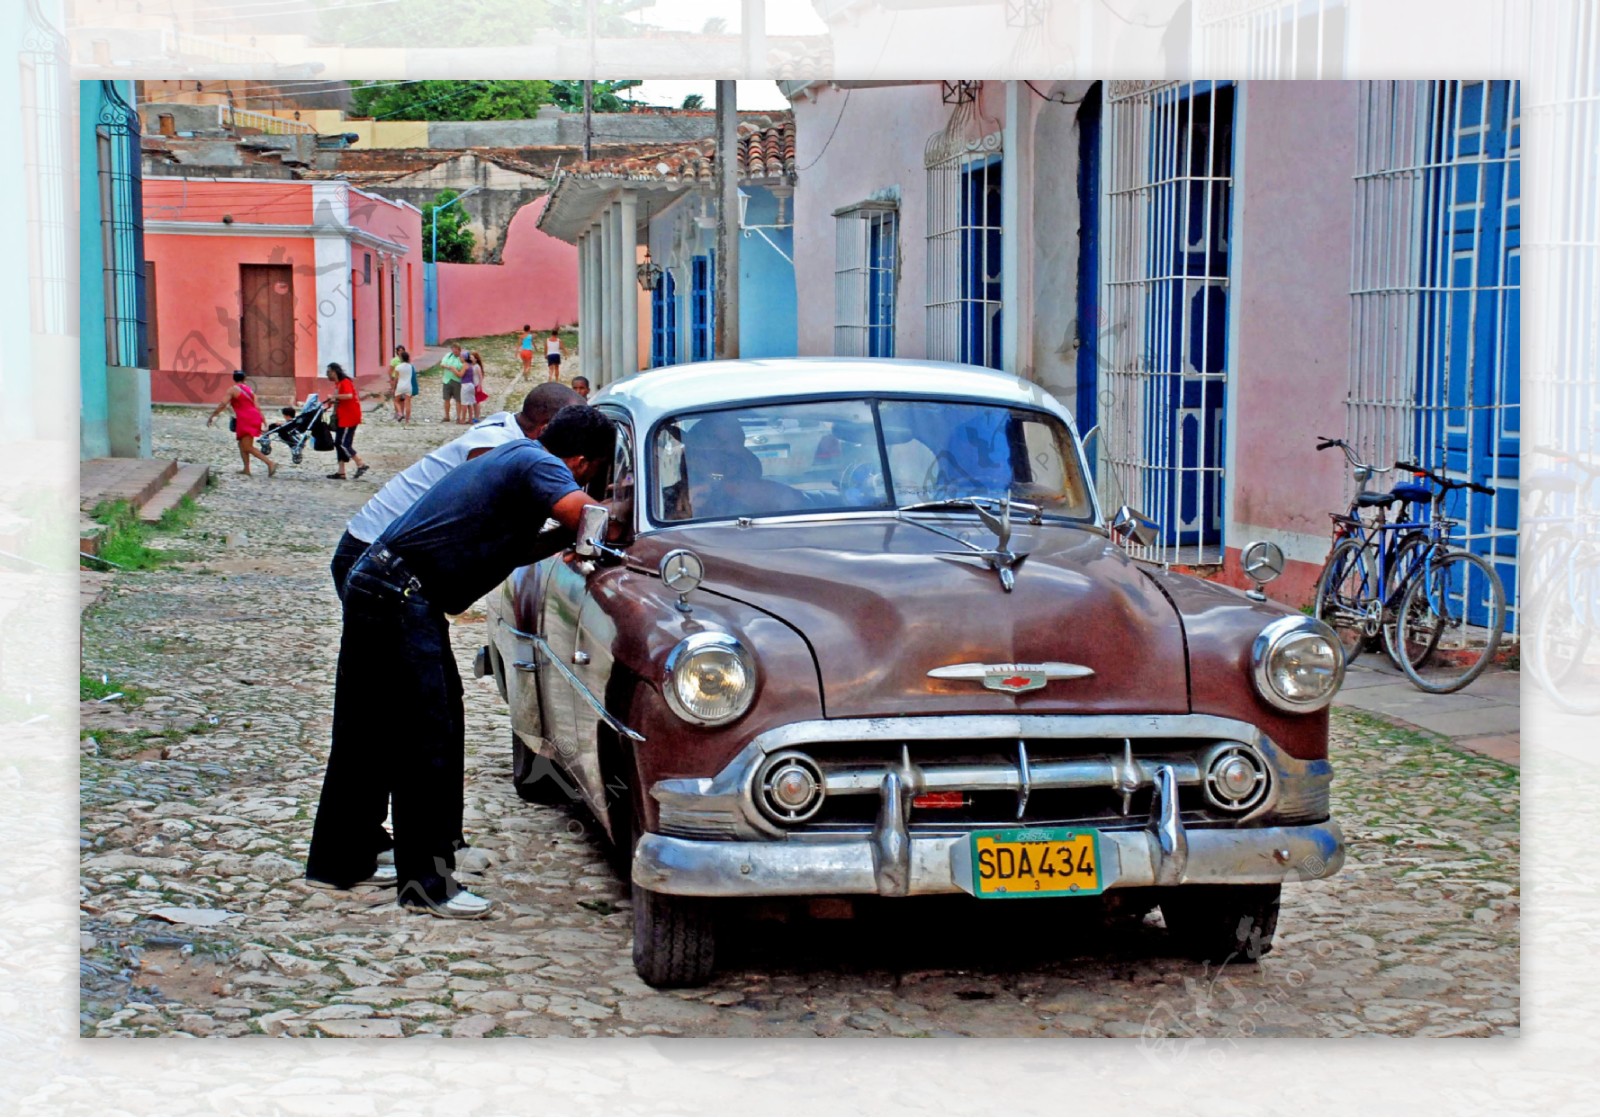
433, 251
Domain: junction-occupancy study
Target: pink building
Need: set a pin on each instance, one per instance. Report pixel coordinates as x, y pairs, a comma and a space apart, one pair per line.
278, 278
536, 283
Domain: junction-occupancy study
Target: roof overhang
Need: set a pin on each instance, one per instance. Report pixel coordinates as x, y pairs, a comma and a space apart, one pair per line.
577, 202
265, 229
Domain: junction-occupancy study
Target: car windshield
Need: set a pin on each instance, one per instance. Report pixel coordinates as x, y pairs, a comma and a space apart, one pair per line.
850, 455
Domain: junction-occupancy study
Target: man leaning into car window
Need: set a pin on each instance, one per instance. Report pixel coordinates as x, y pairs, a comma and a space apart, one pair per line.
456, 543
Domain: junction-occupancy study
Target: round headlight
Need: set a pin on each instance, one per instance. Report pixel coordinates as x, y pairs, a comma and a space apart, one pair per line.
1298, 664
710, 679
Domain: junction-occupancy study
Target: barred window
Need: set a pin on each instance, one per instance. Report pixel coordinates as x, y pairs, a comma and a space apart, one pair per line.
121, 229
964, 249
866, 268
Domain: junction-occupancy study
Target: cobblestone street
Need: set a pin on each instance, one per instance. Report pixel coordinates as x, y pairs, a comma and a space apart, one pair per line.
198, 788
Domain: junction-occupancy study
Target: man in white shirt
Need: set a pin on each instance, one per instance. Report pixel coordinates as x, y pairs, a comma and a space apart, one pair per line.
405, 488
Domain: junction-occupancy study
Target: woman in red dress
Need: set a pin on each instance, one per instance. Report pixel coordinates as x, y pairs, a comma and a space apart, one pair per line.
247, 422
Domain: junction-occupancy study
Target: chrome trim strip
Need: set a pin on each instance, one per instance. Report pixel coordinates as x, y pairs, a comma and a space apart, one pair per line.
1217, 856
935, 727
1050, 669
584, 693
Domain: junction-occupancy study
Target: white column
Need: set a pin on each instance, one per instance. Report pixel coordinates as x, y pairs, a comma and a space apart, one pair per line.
602, 272
628, 282
583, 295
1011, 232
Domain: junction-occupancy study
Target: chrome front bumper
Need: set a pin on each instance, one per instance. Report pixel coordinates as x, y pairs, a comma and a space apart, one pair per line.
892, 861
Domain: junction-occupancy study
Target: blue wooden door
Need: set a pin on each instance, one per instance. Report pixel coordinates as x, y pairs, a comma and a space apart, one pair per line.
702, 343
664, 323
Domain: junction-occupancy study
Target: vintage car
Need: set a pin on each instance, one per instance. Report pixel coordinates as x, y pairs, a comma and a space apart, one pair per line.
860, 627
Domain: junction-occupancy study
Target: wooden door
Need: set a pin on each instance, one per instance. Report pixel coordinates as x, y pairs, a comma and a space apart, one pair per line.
266, 328
152, 335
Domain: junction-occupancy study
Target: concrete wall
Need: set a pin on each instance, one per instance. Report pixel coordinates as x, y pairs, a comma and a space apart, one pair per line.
767, 302
878, 145
536, 283
502, 195
1293, 231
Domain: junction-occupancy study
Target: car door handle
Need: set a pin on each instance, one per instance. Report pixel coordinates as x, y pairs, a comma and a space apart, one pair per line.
580, 658
525, 665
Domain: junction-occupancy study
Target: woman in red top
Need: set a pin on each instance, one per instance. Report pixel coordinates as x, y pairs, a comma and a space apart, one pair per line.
246, 422
347, 414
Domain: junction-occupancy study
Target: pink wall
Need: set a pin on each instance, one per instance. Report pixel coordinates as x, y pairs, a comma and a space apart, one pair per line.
536, 283
1295, 219
376, 330
256, 201
198, 309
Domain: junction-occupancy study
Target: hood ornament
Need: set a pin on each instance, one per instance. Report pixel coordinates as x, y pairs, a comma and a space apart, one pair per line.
1012, 678
1000, 558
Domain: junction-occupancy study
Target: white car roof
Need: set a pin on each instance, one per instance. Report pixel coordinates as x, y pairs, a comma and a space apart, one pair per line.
649, 396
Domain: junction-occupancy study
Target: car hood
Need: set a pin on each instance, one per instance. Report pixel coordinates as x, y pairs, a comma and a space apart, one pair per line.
882, 601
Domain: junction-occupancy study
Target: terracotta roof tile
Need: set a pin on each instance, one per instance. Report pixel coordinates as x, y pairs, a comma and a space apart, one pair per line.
765, 152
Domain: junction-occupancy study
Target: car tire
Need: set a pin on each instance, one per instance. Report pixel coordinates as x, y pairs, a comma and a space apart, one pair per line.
674, 940
1223, 924
535, 778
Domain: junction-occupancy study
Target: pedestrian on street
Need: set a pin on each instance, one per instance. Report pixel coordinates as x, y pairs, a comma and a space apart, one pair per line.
347, 414
466, 534
403, 490
473, 400
403, 373
451, 365
246, 423
525, 351
580, 385
552, 354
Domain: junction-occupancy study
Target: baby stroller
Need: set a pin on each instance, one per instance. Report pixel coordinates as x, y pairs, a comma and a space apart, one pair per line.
298, 429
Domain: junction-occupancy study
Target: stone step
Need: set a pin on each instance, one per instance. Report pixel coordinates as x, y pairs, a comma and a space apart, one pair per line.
186, 481
134, 480
90, 534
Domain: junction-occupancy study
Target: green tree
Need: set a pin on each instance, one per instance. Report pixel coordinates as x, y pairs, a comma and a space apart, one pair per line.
455, 239
694, 101
569, 95
432, 23
449, 100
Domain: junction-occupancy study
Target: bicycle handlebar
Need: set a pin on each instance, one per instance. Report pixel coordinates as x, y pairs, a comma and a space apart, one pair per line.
1444, 482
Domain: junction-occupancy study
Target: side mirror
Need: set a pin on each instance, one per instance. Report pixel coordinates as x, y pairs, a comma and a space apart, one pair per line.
1133, 527
592, 523
1262, 562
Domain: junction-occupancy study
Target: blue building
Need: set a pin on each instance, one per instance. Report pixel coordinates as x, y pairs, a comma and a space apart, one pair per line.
645, 228
114, 370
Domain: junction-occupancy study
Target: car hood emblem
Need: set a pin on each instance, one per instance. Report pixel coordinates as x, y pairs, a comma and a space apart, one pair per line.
1013, 678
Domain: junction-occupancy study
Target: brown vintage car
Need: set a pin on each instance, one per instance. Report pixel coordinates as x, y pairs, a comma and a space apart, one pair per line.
860, 627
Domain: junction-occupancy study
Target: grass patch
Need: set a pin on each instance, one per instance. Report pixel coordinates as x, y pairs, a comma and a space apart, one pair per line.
127, 539
91, 688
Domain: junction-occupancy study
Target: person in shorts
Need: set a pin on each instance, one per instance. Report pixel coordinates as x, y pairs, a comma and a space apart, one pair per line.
525, 352
450, 366
552, 355
401, 372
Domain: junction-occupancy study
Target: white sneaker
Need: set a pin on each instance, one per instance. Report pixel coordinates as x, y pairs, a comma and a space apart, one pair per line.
386, 857
462, 906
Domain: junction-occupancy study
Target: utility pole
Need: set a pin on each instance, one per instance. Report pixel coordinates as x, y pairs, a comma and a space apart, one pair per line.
588, 115
753, 25
726, 281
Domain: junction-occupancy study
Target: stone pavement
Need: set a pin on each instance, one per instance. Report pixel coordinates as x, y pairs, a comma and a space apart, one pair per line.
198, 788
1483, 717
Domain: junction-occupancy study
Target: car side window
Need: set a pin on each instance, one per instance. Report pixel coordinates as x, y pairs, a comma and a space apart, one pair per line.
614, 486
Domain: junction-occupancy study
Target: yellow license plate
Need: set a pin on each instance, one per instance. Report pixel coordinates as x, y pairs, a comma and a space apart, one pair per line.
1038, 862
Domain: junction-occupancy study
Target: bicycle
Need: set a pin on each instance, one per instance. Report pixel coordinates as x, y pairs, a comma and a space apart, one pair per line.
1560, 570
1369, 567
1454, 603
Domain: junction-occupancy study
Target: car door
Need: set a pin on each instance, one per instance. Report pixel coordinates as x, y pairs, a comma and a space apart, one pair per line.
578, 639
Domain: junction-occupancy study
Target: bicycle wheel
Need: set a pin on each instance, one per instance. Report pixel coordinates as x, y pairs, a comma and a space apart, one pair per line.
1456, 602
1543, 574
1344, 590
1563, 630
1409, 556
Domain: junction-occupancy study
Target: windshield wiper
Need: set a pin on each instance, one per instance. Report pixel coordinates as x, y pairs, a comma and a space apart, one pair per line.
1035, 514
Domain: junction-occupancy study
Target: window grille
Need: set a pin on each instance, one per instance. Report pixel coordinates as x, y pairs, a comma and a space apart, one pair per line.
1167, 181
702, 309
664, 322
866, 265
964, 241
46, 148
1270, 38
121, 229
1436, 295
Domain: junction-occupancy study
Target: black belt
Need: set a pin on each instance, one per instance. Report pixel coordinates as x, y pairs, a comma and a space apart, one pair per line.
385, 562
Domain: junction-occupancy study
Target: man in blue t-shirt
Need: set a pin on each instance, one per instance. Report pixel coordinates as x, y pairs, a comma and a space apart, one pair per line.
397, 712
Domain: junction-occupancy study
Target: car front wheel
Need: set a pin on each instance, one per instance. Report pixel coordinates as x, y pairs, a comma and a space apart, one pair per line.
1223, 923
674, 939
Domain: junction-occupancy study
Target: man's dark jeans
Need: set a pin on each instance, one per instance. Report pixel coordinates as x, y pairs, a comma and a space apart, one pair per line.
397, 730
344, 557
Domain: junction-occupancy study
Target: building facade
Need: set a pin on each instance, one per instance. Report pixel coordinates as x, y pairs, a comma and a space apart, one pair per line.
113, 354
645, 228
278, 278
1212, 274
